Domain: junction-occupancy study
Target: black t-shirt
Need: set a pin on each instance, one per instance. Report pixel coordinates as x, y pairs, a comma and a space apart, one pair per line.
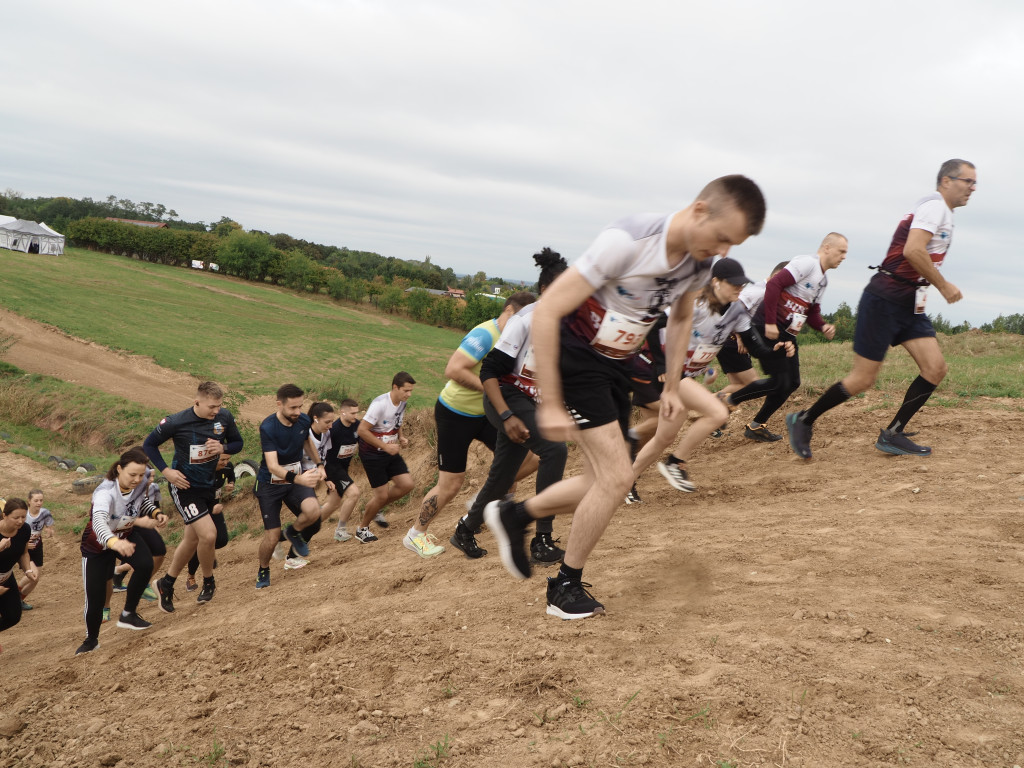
190, 433
343, 444
12, 554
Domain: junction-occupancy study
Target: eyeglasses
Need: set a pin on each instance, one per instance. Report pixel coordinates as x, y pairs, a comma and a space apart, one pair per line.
970, 182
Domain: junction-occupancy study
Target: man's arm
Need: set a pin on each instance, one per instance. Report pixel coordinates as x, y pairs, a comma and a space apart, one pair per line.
677, 342
916, 253
565, 294
367, 435
151, 446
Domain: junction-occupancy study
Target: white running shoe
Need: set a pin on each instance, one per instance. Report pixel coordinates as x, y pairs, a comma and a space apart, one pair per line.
294, 563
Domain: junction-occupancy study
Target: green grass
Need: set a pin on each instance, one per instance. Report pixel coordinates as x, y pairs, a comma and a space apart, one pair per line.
249, 337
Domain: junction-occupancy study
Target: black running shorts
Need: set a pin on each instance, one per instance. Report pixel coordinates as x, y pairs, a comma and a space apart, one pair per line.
455, 433
193, 503
882, 324
382, 467
595, 388
731, 360
272, 495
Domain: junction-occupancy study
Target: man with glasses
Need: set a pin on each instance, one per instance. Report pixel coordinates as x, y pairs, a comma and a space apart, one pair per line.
892, 312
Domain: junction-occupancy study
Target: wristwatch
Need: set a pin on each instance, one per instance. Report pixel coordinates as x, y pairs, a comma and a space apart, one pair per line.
506, 415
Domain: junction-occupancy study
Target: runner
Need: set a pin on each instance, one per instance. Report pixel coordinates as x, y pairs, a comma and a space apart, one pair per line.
510, 406
120, 510
791, 298
224, 486
154, 541
459, 416
201, 435
341, 491
605, 304
891, 312
284, 437
14, 537
39, 519
380, 444
716, 316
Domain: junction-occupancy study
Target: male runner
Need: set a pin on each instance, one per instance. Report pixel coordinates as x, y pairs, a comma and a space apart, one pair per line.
380, 444
459, 416
587, 328
341, 491
284, 436
891, 312
201, 435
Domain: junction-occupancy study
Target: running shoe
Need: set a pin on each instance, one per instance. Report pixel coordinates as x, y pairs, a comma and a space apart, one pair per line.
799, 434
280, 550
465, 541
760, 433
726, 399
633, 497
89, 645
132, 621
676, 476
190, 583
106, 616
379, 520
502, 521
166, 594
294, 563
119, 583
898, 444
569, 599
209, 587
365, 534
341, 533
263, 578
149, 594
545, 550
719, 432
25, 606
299, 544
424, 545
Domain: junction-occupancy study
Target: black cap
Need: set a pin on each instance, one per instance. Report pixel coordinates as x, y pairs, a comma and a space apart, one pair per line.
731, 271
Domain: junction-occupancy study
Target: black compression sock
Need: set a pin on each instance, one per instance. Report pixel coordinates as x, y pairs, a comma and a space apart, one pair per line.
169, 580
834, 395
573, 574
917, 395
207, 581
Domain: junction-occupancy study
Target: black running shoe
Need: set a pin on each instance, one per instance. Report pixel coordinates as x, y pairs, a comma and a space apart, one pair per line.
569, 599
761, 434
898, 444
166, 594
90, 644
132, 621
544, 550
500, 518
633, 497
298, 543
206, 594
799, 434
464, 540
263, 578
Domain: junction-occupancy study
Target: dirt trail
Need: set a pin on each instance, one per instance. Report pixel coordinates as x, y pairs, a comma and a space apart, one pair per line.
855, 610
40, 348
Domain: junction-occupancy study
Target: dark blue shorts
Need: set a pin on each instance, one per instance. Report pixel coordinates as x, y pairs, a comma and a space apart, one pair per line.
272, 495
882, 324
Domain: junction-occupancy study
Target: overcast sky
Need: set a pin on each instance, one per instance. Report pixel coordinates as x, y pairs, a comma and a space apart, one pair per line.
477, 132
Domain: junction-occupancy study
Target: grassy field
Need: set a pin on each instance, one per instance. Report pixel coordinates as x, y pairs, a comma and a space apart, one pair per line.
251, 338
254, 337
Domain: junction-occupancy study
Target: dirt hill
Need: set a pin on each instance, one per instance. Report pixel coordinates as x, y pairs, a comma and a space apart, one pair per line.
855, 610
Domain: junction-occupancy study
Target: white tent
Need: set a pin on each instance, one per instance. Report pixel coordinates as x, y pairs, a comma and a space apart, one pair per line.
27, 236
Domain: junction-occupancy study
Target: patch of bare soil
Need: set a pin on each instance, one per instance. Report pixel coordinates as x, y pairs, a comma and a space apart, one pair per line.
855, 610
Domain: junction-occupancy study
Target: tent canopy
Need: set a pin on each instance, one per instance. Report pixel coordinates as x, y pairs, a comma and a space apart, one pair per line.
30, 237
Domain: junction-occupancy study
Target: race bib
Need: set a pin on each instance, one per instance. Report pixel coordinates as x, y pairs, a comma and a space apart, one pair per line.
388, 439
529, 369
346, 450
618, 337
700, 357
920, 298
796, 322
200, 454
296, 468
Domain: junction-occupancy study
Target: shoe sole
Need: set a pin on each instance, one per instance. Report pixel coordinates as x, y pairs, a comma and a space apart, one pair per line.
295, 567
554, 610
790, 421
160, 600
894, 451
124, 625
94, 648
481, 550
492, 516
342, 540
412, 548
671, 481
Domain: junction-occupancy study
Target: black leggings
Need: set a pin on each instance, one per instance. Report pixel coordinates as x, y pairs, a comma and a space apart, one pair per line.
10, 604
222, 541
98, 569
783, 380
